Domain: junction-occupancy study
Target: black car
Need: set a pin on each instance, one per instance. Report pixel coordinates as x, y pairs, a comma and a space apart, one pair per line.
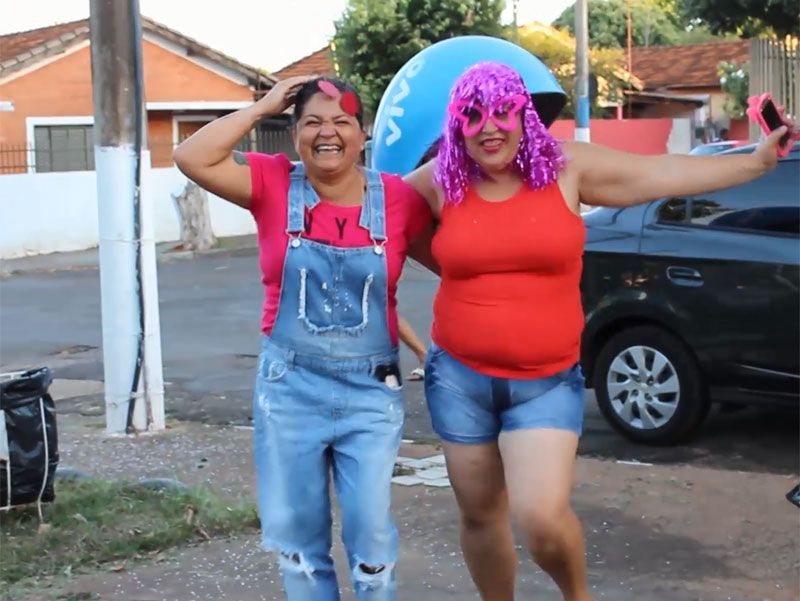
694, 300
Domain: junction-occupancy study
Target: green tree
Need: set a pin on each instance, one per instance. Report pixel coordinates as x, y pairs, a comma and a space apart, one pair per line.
655, 23
607, 64
747, 18
735, 82
375, 38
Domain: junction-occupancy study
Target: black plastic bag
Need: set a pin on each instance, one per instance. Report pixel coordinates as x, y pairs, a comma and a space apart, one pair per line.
30, 428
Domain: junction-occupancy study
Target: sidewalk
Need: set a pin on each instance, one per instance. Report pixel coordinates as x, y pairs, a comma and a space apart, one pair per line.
88, 259
664, 533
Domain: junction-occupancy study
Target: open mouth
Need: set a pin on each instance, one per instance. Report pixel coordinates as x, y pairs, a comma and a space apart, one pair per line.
327, 149
492, 144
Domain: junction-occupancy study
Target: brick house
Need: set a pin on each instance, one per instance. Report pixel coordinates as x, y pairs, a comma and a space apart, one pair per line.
676, 76
46, 108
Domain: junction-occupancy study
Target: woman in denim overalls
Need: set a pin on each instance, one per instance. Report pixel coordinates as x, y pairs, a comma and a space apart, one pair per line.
327, 395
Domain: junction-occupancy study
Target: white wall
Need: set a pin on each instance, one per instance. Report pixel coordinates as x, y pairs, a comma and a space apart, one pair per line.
57, 212
680, 137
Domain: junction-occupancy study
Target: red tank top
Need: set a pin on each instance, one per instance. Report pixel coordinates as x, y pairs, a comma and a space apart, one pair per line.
509, 302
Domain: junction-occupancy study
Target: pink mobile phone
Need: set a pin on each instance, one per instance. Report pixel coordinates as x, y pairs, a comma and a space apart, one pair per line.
763, 110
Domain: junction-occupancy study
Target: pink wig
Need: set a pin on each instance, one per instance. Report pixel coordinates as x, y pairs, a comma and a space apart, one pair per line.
539, 157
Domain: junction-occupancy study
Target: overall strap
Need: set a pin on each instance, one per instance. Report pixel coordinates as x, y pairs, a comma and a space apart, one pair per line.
301, 195
373, 211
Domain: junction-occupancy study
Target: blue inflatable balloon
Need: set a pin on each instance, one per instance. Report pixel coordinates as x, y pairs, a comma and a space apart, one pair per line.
412, 112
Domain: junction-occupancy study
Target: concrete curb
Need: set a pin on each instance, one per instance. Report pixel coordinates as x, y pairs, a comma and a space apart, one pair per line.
243, 251
88, 259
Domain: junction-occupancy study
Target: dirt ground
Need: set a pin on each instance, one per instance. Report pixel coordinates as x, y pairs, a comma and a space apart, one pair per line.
654, 533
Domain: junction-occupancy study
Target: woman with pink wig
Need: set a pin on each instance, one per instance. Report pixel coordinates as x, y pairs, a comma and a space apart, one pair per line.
502, 379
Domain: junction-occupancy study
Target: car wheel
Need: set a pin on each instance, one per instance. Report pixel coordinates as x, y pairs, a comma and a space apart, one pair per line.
648, 386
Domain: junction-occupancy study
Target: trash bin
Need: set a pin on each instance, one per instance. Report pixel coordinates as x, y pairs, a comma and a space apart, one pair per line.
28, 438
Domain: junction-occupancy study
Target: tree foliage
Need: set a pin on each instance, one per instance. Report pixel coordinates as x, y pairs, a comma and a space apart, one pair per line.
735, 82
747, 18
607, 64
654, 23
375, 38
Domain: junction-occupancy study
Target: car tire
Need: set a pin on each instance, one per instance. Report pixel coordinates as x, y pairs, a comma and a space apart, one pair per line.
649, 387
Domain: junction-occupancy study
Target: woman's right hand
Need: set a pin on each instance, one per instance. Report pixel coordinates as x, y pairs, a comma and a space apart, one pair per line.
208, 157
281, 96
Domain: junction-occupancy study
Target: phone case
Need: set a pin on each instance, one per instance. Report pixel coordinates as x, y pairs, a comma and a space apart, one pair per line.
754, 113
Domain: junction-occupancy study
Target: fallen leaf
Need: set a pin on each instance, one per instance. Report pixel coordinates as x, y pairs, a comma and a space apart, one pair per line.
119, 568
44, 528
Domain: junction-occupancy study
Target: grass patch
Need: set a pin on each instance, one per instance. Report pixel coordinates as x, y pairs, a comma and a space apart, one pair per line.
93, 522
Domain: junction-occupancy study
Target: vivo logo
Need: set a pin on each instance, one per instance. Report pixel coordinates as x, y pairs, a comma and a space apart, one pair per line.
395, 110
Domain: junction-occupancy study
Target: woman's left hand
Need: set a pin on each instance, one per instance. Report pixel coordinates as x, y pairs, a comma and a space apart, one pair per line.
766, 153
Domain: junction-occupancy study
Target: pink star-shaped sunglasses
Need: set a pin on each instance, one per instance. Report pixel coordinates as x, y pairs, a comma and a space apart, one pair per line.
502, 112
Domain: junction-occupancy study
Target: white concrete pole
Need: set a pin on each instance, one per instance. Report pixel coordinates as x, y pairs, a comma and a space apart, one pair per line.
134, 390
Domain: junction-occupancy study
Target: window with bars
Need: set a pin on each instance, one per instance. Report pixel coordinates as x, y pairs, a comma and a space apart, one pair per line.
63, 148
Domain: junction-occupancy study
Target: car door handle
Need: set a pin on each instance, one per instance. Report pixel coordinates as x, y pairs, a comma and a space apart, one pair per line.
684, 276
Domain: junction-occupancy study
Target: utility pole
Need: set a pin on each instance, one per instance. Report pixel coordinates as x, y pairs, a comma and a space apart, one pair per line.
134, 386
515, 38
630, 37
582, 108
630, 52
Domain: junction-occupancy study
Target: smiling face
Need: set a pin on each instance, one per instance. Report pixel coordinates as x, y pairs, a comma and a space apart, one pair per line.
492, 147
326, 138
505, 133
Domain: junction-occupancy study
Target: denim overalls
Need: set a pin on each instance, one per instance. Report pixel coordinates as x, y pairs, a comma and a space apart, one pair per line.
323, 406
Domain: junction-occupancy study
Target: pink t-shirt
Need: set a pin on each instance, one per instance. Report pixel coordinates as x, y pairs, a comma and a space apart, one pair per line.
407, 214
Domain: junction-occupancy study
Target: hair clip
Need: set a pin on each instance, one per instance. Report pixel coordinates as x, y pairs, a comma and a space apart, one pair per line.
328, 88
347, 100
349, 103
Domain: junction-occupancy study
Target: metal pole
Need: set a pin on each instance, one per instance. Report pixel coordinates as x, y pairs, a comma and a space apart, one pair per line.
630, 38
134, 388
582, 109
515, 38
630, 55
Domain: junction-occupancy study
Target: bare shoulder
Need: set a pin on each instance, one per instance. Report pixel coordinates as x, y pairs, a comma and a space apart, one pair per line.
569, 178
422, 180
577, 153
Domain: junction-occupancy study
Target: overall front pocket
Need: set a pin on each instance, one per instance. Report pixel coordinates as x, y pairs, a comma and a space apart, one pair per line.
341, 306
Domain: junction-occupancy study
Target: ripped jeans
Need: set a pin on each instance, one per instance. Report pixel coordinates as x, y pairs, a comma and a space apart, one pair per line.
315, 417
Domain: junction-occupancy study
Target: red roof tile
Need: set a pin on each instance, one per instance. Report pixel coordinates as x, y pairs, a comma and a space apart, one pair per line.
317, 63
690, 66
27, 47
14, 44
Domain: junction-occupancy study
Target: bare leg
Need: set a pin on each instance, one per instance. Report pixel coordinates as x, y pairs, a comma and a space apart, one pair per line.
476, 473
539, 469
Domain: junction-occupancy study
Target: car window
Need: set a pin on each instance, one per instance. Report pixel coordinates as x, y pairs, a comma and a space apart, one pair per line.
769, 205
673, 211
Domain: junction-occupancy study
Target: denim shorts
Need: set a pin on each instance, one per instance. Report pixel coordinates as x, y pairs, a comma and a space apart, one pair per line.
469, 407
